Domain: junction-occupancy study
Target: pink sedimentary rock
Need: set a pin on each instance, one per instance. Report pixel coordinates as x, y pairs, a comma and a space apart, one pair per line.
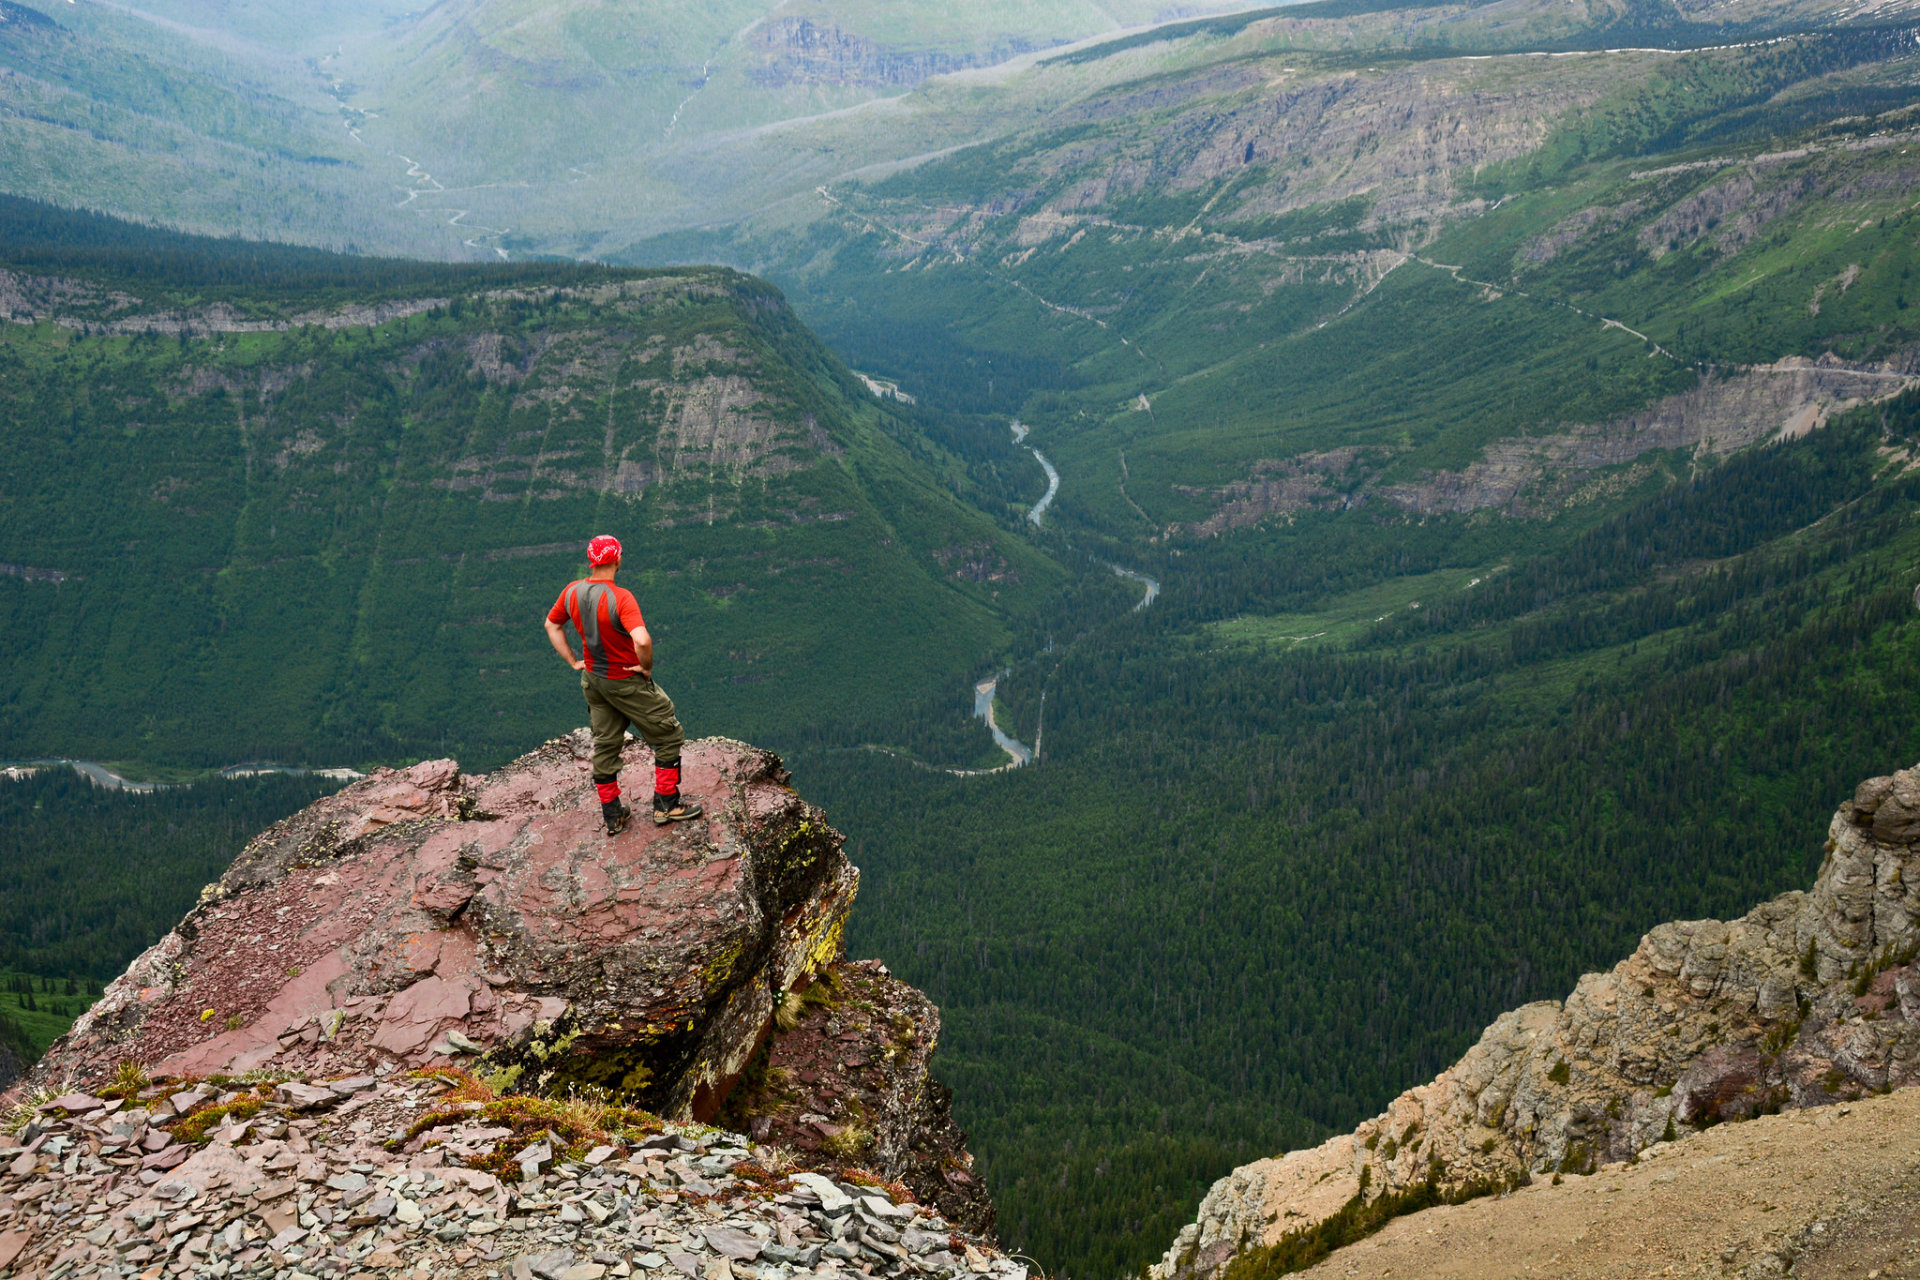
422, 915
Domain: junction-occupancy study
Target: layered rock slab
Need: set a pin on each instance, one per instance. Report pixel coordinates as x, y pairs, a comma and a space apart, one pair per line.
1821, 1194
1810, 999
114, 1189
846, 1076
424, 915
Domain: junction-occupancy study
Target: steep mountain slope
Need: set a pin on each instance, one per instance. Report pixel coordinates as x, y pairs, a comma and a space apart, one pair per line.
1282, 279
245, 518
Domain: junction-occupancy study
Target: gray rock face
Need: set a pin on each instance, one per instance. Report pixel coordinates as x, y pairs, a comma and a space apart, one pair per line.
800, 51
1809, 999
323, 1192
1536, 474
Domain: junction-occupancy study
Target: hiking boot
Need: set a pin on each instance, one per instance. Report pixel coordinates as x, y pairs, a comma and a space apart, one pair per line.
617, 815
675, 808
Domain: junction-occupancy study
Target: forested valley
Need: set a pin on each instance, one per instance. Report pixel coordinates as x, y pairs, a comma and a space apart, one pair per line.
1529, 493
1318, 872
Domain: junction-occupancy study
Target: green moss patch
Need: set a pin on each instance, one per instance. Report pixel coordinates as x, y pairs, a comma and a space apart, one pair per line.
198, 1125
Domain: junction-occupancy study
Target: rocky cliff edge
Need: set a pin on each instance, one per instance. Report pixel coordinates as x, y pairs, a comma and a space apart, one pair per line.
442, 1024
1809, 999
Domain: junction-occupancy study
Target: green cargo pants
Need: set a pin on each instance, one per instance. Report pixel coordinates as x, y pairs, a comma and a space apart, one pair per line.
613, 705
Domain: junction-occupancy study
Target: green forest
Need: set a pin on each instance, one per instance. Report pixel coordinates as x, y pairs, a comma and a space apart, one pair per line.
326, 543
1316, 872
89, 878
35, 1009
1394, 748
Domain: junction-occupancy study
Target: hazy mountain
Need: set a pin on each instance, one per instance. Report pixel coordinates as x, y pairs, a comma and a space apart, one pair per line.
455, 128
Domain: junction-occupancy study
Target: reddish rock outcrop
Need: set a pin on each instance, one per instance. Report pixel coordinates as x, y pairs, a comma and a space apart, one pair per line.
425, 915
845, 1077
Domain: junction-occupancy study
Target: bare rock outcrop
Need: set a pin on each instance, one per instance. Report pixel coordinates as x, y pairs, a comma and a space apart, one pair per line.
1536, 476
439, 1021
428, 916
848, 1075
1809, 999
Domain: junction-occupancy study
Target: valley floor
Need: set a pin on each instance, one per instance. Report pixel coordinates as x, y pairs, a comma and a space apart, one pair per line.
1826, 1192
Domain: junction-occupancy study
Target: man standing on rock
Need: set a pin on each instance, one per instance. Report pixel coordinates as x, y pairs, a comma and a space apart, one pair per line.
617, 677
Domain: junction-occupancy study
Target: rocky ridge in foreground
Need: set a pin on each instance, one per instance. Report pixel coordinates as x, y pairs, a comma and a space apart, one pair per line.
1808, 1000
309, 1185
442, 1024
1825, 1193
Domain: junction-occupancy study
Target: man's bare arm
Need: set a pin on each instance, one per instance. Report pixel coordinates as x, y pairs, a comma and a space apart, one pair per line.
643, 649
558, 635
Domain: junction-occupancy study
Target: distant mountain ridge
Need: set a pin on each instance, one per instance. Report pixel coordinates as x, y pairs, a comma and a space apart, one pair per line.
20, 13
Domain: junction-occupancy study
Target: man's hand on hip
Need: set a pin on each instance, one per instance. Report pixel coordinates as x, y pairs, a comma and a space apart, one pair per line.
557, 636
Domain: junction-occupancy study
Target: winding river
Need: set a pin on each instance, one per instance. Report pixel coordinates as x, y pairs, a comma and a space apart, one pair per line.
1151, 584
1018, 753
1020, 432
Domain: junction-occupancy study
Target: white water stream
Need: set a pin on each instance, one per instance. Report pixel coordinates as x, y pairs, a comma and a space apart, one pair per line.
1020, 432
1151, 584
1018, 753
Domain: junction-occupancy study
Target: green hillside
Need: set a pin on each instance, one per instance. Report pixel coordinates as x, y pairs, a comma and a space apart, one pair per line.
215, 122
1293, 283
35, 1011
1515, 402
243, 521
1493, 631
1260, 886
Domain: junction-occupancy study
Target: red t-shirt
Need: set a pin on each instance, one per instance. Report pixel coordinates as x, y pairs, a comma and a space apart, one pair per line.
605, 616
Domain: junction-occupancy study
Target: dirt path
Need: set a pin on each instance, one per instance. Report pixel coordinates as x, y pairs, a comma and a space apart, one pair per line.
1828, 1192
1496, 290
